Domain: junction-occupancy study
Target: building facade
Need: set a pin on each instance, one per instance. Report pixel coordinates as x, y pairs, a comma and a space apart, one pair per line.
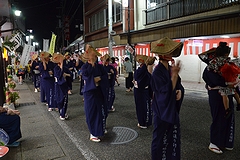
200, 24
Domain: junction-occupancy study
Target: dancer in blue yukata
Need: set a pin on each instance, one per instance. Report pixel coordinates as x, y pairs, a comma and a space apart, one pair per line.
61, 85
95, 84
142, 92
222, 129
70, 64
46, 69
111, 71
168, 95
36, 73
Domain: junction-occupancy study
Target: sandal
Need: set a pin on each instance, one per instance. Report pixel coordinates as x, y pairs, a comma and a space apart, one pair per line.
215, 149
95, 139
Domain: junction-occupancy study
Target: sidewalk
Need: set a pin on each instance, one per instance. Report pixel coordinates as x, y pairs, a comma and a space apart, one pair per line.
39, 141
38, 138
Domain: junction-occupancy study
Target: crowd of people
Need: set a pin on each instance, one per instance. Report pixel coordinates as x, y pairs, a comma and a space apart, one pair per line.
158, 94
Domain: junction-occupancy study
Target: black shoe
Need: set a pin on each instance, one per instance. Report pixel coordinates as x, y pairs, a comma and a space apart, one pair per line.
228, 113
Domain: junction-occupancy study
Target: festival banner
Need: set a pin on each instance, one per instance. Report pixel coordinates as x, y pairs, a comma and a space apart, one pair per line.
26, 54
16, 40
52, 44
45, 45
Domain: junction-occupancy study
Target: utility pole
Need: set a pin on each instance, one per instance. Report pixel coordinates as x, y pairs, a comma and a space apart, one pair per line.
110, 22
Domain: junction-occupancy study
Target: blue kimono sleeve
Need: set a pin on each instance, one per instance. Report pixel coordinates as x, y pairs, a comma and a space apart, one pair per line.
142, 76
44, 73
88, 77
164, 101
213, 79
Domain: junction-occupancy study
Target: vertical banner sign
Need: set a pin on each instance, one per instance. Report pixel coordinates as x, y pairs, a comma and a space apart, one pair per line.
52, 44
16, 40
66, 30
45, 45
26, 54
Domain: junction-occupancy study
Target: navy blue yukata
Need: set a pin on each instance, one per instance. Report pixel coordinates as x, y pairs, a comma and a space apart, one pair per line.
69, 64
11, 125
222, 129
142, 95
95, 98
47, 82
36, 76
111, 83
166, 134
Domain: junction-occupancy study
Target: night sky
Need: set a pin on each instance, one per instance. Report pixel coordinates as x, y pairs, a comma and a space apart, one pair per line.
42, 16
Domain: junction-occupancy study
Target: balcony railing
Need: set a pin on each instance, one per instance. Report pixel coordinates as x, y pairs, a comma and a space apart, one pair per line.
180, 8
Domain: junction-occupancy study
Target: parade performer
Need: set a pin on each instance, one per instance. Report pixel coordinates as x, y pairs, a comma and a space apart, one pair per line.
111, 71
46, 68
95, 84
222, 128
167, 99
61, 85
70, 64
143, 92
36, 73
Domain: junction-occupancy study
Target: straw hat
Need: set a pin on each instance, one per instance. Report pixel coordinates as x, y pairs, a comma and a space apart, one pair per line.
34, 56
57, 58
90, 50
82, 58
166, 46
105, 57
150, 60
141, 57
208, 55
67, 54
44, 54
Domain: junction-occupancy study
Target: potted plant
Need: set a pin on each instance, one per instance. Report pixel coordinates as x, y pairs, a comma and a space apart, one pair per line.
11, 85
10, 78
14, 96
9, 68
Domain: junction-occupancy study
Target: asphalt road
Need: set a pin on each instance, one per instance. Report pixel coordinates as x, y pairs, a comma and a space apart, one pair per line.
195, 122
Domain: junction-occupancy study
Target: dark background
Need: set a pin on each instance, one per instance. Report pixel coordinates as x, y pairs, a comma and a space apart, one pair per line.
46, 16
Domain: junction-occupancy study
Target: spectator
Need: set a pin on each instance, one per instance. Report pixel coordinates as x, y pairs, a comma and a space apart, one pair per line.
10, 123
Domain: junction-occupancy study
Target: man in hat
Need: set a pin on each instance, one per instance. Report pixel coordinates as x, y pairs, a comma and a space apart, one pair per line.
143, 93
47, 80
95, 84
168, 95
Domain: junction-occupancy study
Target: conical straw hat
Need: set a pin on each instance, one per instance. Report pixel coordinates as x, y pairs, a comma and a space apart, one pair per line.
34, 56
105, 57
141, 57
166, 46
57, 58
90, 50
44, 54
208, 55
150, 60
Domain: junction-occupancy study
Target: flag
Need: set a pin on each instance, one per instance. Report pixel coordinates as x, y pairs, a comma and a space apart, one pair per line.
52, 44
45, 45
16, 40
